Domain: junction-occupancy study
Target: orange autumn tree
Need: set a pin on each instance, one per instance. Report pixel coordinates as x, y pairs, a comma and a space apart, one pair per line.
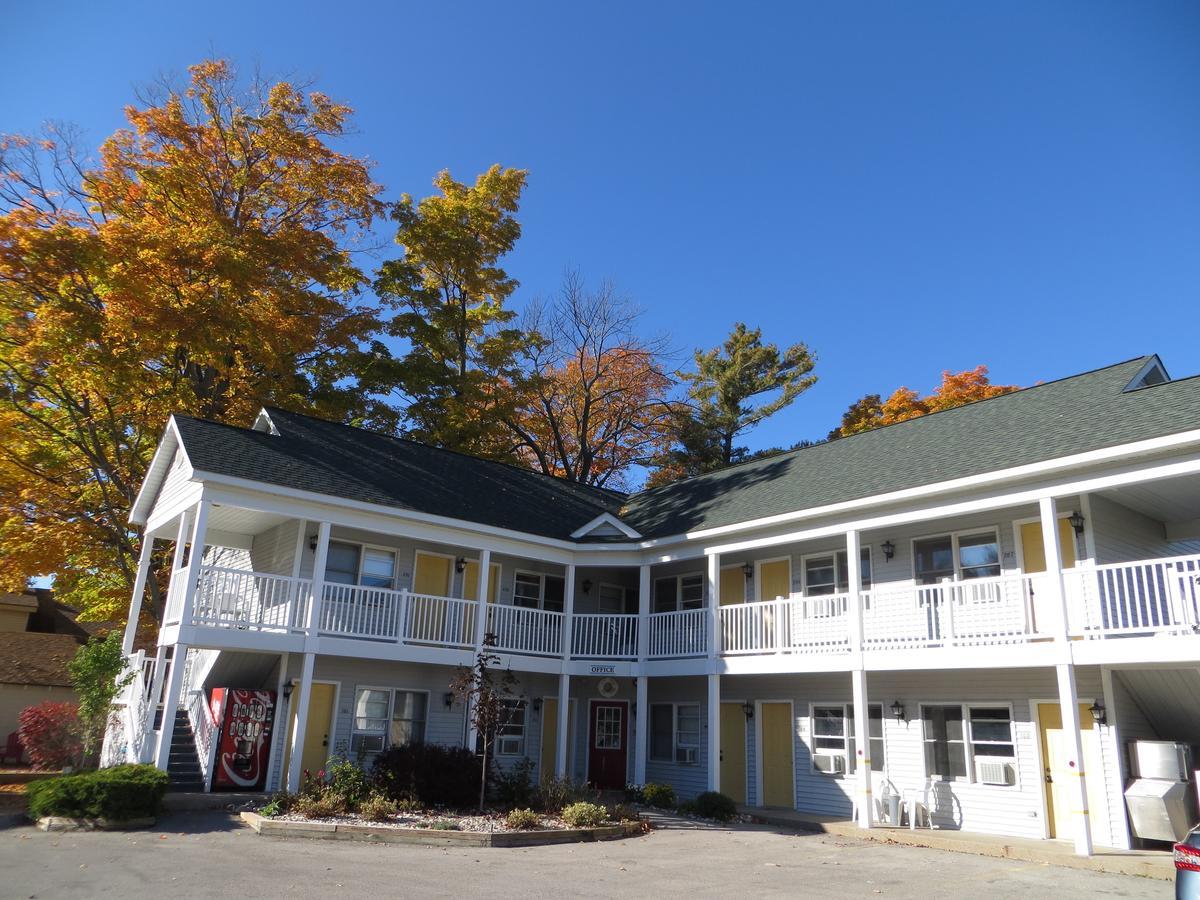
956, 389
201, 265
593, 393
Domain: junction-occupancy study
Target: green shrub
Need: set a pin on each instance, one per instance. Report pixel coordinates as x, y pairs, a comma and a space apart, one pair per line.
557, 793
429, 773
347, 782
633, 794
319, 805
713, 805
585, 815
660, 796
408, 806
514, 788
522, 818
620, 812
280, 804
118, 793
444, 825
377, 808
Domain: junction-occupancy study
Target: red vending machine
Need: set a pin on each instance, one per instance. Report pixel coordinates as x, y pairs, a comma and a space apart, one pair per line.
244, 718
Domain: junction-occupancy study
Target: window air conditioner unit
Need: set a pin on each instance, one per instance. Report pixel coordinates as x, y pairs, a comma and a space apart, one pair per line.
832, 764
685, 754
993, 773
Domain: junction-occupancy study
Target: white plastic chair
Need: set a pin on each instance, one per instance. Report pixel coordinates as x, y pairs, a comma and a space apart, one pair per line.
916, 801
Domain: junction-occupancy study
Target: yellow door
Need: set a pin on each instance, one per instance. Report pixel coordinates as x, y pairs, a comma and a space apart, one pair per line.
775, 579
1033, 554
1056, 754
776, 755
471, 581
431, 578
733, 751
316, 733
550, 737
733, 586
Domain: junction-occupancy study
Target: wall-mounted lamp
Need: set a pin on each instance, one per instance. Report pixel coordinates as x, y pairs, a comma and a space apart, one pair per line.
460, 564
1099, 713
312, 543
1076, 521
748, 709
448, 699
748, 570
287, 691
889, 550
587, 585
537, 704
897, 709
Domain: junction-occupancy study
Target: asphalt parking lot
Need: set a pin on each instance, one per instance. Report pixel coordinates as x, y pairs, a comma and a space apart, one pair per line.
214, 855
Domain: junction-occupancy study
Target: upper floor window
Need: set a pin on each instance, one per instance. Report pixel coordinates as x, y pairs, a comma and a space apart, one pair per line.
356, 564
828, 574
966, 555
678, 592
536, 590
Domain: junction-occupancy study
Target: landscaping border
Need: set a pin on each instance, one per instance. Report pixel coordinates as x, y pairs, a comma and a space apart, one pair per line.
331, 831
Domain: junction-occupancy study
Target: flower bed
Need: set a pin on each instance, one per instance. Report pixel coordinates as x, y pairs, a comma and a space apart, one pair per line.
436, 820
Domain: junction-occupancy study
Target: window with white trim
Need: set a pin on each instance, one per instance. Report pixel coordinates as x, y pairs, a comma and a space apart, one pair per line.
384, 717
357, 564
833, 748
535, 590
963, 555
960, 738
828, 574
679, 592
675, 732
510, 733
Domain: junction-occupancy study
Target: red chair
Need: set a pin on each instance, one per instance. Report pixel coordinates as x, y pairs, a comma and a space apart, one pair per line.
14, 750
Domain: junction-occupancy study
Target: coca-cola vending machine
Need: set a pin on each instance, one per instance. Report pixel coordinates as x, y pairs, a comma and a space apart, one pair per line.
245, 718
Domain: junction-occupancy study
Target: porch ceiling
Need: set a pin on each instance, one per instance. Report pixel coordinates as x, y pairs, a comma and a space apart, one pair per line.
228, 520
1169, 500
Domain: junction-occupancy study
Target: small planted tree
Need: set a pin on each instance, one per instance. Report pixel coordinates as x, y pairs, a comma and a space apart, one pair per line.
98, 674
50, 733
489, 697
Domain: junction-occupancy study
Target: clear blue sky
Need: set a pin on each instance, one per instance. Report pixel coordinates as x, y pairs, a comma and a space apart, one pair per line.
906, 187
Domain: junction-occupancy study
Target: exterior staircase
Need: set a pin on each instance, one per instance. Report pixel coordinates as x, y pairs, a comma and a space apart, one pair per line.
183, 765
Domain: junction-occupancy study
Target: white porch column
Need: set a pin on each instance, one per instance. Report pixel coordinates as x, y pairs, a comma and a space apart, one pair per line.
854, 597
278, 722
713, 593
643, 612
568, 612
320, 557
156, 685
139, 589
296, 751
162, 754
641, 737
173, 589
194, 560
862, 750
562, 725
1068, 701
714, 731
1054, 577
485, 567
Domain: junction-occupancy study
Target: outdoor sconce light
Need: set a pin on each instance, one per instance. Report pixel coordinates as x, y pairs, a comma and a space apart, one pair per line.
1076, 521
897, 709
1099, 713
460, 564
748, 709
537, 704
448, 699
287, 691
312, 543
748, 570
587, 585
889, 550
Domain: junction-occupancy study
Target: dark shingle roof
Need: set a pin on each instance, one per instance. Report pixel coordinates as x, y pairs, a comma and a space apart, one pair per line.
1073, 415
338, 460
28, 657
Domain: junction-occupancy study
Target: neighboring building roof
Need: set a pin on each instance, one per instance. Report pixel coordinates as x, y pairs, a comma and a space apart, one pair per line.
36, 659
1044, 422
342, 461
1115, 405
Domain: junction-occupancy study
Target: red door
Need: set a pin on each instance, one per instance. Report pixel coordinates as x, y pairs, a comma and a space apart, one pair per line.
607, 753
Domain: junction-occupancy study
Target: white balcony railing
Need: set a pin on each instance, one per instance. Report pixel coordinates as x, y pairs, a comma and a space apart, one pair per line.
604, 636
520, 629
786, 625
675, 635
437, 621
258, 601
1156, 596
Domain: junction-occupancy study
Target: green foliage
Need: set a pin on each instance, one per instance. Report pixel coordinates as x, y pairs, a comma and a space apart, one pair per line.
714, 805
634, 794
280, 804
430, 774
660, 796
444, 825
462, 361
522, 819
408, 805
319, 804
119, 793
489, 698
584, 815
98, 674
720, 404
377, 808
514, 787
347, 782
556, 793
620, 812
